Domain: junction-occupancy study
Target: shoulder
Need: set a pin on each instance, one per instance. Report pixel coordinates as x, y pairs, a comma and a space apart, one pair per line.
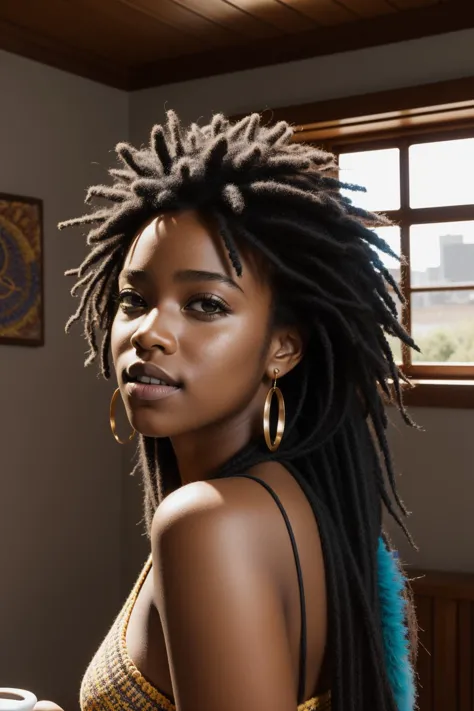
219, 602
234, 518
218, 503
209, 511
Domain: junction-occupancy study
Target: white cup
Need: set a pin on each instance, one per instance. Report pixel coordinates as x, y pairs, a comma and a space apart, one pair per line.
16, 700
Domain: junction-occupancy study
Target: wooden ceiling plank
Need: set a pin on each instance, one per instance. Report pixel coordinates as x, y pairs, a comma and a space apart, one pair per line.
27, 43
397, 27
409, 4
114, 30
369, 8
139, 29
275, 13
106, 28
92, 32
227, 15
324, 12
76, 30
185, 21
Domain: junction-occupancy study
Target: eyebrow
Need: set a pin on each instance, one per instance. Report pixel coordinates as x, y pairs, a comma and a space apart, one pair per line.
133, 275
202, 275
184, 275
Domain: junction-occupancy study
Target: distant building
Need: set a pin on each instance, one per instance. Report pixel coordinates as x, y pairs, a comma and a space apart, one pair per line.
456, 267
457, 259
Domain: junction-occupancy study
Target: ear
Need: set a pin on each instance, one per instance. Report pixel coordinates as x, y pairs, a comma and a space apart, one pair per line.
284, 352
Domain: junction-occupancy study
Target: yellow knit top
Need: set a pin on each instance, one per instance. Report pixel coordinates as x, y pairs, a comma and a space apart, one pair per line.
113, 683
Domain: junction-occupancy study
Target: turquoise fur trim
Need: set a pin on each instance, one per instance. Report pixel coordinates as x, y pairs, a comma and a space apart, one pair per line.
394, 630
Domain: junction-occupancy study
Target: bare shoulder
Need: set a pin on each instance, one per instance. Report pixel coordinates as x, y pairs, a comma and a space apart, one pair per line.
218, 601
219, 496
209, 511
227, 593
215, 502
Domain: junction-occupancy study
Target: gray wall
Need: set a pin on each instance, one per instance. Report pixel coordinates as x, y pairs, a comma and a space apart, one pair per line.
60, 469
437, 485
391, 66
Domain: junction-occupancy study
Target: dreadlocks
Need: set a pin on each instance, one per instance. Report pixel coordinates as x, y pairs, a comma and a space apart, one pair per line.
281, 199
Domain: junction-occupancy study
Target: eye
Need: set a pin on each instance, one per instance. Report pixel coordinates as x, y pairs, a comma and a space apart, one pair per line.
129, 301
208, 306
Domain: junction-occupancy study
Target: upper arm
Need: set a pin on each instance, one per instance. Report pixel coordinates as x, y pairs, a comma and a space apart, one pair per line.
221, 609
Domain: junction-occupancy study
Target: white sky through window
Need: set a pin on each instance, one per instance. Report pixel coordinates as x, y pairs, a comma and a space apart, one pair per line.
441, 174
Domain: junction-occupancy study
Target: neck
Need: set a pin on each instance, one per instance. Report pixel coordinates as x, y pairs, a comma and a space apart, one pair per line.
201, 454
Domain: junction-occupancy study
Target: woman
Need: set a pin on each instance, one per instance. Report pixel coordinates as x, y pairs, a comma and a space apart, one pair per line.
231, 272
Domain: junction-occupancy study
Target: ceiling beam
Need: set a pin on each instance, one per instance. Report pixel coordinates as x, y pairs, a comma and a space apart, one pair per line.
407, 25
19, 40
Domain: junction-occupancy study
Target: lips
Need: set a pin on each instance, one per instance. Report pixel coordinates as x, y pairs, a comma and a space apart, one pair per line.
149, 370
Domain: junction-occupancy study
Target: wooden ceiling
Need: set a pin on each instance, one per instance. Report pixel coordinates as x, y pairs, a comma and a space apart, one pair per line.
133, 44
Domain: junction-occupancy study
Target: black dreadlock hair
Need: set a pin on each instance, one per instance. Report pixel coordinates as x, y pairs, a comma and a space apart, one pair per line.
282, 200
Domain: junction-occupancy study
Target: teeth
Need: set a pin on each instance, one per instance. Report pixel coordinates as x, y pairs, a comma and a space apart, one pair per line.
150, 381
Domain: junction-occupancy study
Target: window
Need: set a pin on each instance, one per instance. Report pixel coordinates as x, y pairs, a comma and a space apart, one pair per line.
425, 184
420, 139
424, 151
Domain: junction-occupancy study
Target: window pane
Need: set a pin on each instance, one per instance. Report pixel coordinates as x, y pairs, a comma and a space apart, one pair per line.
395, 343
396, 348
442, 173
378, 172
443, 326
442, 254
391, 235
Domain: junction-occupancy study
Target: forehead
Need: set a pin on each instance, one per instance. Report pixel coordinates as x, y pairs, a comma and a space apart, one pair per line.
188, 241
174, 236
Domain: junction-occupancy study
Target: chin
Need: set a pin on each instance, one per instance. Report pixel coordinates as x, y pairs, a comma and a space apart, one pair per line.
151, 425
148, 429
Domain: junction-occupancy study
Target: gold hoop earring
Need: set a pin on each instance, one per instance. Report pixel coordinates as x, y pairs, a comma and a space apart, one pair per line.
113, 424
273, 446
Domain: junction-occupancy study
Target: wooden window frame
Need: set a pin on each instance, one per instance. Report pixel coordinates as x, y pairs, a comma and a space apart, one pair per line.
412, 115
436, 385
405, 217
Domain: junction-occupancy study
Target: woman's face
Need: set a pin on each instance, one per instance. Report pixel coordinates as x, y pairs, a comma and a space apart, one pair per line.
187, 321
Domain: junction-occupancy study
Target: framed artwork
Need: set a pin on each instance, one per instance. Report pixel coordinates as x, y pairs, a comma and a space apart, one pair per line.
21, 271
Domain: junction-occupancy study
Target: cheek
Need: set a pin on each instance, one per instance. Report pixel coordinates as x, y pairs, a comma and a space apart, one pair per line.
230, 358
119, 338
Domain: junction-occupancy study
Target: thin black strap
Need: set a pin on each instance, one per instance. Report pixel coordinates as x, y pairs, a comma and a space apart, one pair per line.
302, 673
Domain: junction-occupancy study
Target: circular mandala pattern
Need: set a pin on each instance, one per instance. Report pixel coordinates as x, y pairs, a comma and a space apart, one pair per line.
19, 278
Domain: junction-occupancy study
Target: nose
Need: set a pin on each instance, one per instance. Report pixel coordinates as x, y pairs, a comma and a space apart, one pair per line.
153, 333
